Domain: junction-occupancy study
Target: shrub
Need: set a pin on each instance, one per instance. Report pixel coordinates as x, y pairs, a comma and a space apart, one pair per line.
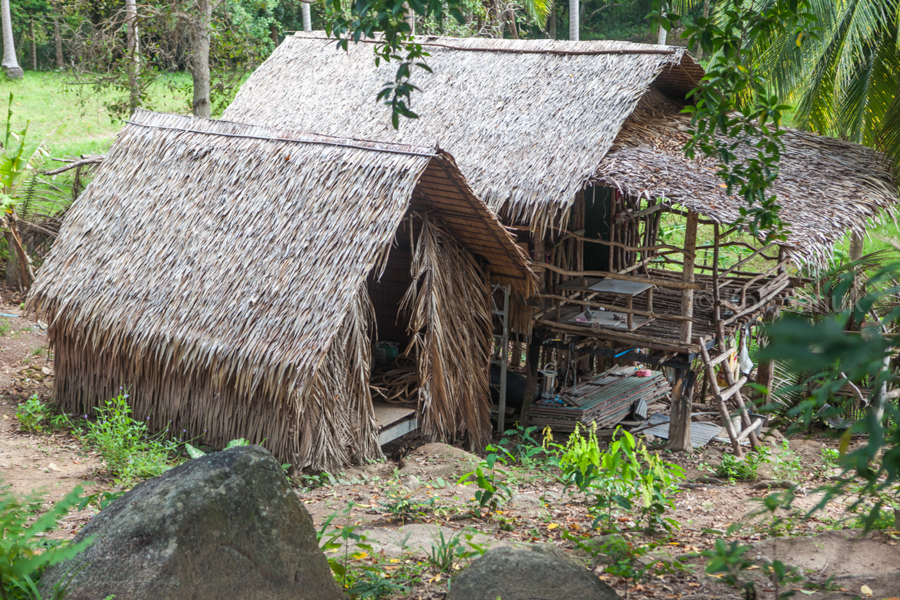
127, 447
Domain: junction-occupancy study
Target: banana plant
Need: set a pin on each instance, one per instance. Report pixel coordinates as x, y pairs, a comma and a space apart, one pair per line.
17, 168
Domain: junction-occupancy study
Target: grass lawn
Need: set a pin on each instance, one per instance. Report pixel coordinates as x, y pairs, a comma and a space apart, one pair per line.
73, 119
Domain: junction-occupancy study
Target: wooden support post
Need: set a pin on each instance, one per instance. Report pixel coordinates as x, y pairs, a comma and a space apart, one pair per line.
532, 359
687, 295
680, 414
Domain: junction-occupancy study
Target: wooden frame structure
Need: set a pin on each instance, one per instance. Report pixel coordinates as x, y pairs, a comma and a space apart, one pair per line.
650, 293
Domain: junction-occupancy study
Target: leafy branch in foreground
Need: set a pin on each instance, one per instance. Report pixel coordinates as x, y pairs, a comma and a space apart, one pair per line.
735, 118
22, 553
835, 357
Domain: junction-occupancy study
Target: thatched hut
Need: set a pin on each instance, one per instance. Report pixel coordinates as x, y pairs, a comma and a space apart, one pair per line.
578, 145
232, 277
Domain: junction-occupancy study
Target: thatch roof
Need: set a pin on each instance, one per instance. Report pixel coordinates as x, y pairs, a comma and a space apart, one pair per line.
233, 253
825, 187
528, 120
532, 122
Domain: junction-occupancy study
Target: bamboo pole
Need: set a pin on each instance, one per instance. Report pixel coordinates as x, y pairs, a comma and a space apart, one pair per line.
687, 295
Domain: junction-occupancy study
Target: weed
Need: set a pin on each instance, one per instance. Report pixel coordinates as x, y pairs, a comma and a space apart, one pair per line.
34, 416
403, 504
5, 327
22, 553
742, 469
194, 452
373, 583
786, 464
37, 351
492, 491
445, 553
129, 450
831, 457
520, 446
332, 539
101, 499
620, 476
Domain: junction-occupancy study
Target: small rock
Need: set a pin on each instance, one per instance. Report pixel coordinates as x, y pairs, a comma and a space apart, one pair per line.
54, 468
541, 572
46, 371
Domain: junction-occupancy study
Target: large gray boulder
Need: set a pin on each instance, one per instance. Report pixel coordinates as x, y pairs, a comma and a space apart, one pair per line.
540, 573
223, 526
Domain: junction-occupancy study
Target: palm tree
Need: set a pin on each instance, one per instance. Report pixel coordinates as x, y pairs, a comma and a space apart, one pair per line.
844, 82
10, 64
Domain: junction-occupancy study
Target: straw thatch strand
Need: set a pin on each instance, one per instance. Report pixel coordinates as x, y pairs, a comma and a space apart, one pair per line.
447, 336
219, 271
528, 120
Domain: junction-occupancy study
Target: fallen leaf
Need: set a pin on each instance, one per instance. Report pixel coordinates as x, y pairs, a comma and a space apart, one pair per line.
552, 526
866, 590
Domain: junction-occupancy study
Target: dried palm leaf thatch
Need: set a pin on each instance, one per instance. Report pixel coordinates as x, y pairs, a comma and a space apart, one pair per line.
451, 324
218, 270
825, 187
528, 120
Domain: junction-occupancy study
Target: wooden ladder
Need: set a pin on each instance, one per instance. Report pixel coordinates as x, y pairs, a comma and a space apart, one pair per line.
732, 391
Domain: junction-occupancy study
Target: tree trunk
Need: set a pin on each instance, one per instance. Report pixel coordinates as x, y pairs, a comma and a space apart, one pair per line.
10, 63
661, 36
33, 48
57, 40
307, 17
410, 18
199, 63
856, 246
573, 20
134, 65
551, 23
705, 16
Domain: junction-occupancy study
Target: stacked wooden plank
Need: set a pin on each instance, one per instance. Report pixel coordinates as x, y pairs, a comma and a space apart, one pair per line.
605, 399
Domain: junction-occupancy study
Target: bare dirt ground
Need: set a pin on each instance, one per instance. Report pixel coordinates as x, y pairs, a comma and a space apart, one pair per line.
426, 477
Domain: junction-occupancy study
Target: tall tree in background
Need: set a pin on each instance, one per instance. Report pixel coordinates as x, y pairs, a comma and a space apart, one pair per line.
10, 64
574, 8
844, 82
198, 59
133, 57
307, 16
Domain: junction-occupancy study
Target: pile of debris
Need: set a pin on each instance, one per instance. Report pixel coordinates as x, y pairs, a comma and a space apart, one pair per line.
605, 399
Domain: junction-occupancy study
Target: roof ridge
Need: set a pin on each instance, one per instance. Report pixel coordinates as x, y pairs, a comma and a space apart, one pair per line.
643, 49
378, 148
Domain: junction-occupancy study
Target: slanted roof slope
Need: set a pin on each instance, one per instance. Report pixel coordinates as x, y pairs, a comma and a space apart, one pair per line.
237, 250
527, 120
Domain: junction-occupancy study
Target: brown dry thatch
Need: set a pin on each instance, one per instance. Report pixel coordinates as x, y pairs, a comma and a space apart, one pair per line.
452, 338
220, 270
528, 120
825, 187
532, 122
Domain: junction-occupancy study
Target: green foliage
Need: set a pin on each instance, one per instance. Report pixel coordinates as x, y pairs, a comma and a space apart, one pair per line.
194, 452
333, 539
620, 477
34, 415
729, 561
741, 469
23, 555
735, 118
624, 558
100, 499
403, 504
446, 553
126, 445
492, 491
520, 446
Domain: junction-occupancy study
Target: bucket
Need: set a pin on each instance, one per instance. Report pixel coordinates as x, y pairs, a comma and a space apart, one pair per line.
549, 373
385, 353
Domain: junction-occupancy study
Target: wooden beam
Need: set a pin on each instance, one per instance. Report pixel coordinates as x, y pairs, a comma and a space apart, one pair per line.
666, 283
687, 275
680, 413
